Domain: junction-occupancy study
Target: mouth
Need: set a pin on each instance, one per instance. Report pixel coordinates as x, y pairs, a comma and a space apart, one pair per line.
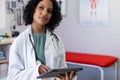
43, 18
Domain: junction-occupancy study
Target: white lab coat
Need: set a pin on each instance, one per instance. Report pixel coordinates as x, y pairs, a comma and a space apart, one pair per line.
22, 61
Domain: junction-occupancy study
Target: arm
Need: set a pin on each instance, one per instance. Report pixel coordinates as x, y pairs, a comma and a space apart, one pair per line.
17, 66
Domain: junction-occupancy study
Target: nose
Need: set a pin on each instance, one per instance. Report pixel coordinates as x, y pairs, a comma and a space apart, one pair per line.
45, 13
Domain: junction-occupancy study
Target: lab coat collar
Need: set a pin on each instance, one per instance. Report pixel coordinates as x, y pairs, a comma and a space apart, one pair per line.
49, 36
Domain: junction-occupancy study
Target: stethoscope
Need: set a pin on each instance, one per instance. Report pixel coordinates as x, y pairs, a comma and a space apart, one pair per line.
32, 45
50, 34
30, 38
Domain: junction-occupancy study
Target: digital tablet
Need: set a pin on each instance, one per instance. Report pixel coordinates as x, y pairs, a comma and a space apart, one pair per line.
55, 72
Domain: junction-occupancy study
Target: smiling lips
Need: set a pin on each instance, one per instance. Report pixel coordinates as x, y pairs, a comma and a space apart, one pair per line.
43, 18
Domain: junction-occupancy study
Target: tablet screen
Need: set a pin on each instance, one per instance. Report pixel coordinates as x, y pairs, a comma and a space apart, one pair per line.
55, 72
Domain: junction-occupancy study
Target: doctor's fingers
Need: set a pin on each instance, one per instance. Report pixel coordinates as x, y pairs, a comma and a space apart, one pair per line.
64, 76
67, 76
43, 69
61, 77
72, 74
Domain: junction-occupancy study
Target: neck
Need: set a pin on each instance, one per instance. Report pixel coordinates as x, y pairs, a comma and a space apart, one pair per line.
38, 28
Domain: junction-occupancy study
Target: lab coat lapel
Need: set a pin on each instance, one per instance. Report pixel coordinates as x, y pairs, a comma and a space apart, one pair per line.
49, 55
31, 57
49, 38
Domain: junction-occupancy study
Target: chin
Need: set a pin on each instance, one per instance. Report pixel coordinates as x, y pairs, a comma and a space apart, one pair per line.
42, 23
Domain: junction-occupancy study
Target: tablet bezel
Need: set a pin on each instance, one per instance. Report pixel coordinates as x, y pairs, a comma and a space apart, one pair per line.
55, 72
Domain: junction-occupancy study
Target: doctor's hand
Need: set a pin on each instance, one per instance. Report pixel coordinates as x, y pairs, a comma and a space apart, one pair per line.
67, 76
43, 68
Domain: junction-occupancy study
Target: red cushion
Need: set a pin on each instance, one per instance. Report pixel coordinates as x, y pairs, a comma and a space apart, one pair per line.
93, 59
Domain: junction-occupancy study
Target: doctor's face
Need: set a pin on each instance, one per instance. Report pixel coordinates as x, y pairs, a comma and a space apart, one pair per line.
43, 12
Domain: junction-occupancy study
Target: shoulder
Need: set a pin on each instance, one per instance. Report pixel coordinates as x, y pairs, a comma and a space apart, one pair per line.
60, 45
57, 39
21, 37
54, 35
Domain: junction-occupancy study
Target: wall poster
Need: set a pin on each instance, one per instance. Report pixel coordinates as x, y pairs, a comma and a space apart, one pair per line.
93, 13
15, 8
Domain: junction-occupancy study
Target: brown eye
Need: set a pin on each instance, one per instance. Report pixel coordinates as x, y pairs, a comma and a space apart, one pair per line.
50, 11
42, 8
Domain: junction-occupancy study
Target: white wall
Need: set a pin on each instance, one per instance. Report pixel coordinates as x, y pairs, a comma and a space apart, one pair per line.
2, 14
96, 40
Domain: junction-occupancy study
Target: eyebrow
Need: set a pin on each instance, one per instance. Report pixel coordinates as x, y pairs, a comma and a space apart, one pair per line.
44, 6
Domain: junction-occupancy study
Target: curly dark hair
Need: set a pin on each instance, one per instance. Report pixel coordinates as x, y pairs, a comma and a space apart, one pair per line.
30, 9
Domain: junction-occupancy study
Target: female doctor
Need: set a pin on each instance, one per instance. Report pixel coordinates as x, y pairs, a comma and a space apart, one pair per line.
37, 49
